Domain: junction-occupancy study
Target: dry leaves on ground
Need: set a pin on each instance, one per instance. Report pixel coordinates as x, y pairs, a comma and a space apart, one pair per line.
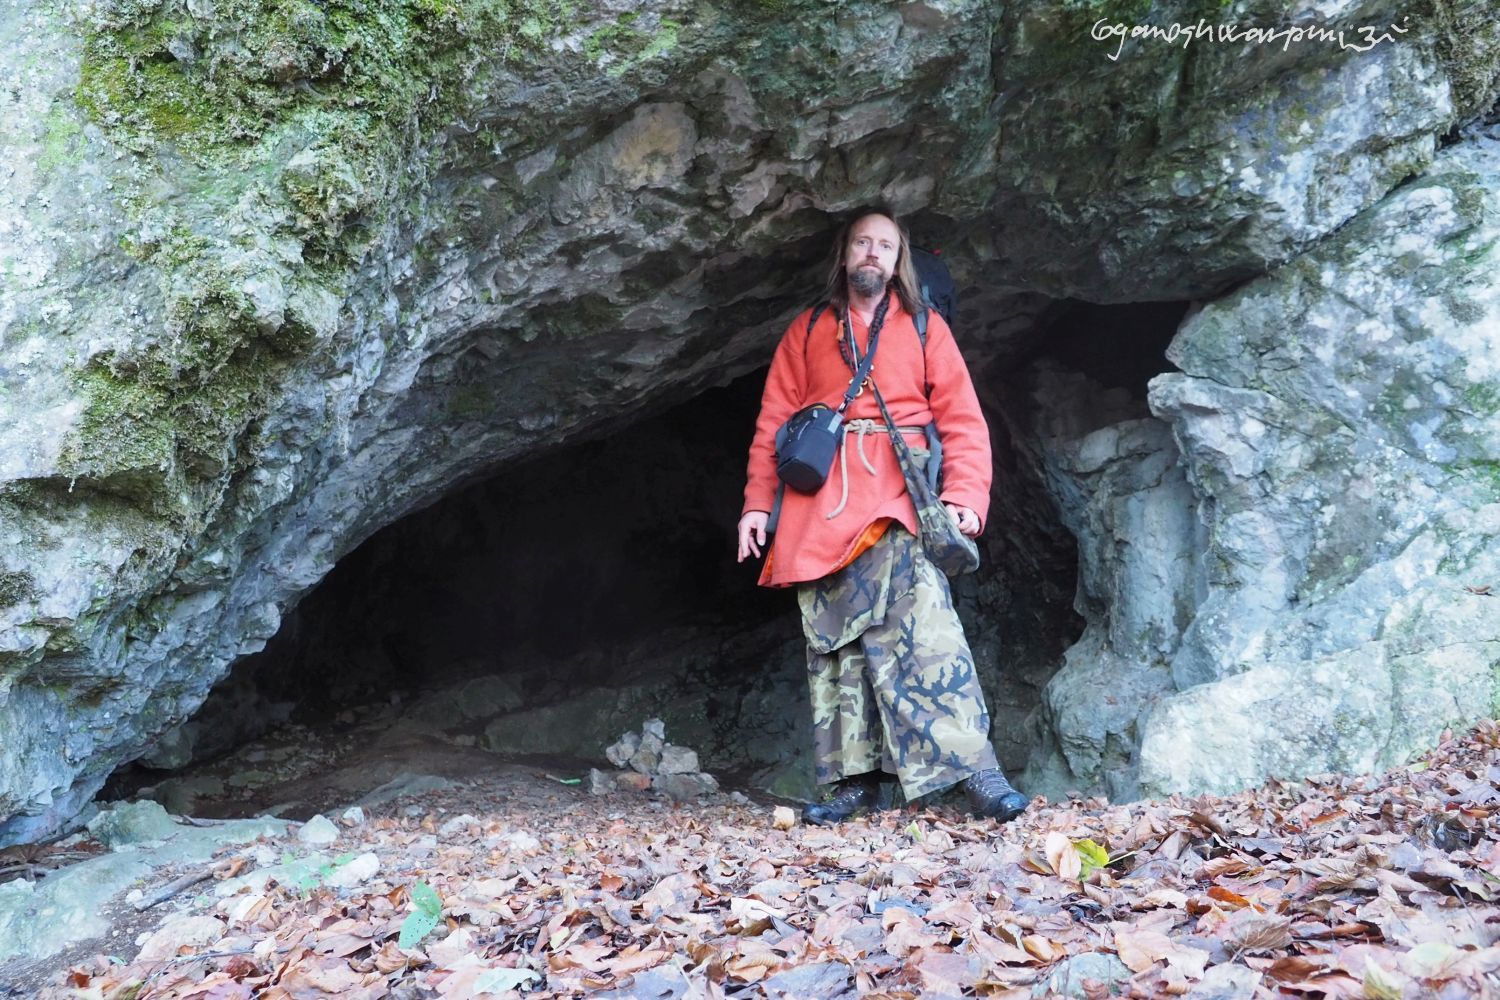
1343, 887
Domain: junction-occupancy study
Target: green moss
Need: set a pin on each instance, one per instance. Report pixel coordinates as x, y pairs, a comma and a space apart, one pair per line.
127, 420
1480, 477
620, 36
471, 402
15, 587
151, 423
256, 66
585, 317
1482, 399
1471, 69
62, 143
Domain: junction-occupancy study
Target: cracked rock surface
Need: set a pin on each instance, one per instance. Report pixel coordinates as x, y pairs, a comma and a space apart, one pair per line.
276, 274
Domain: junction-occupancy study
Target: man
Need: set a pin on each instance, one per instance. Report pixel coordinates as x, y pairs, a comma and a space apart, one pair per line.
890, 674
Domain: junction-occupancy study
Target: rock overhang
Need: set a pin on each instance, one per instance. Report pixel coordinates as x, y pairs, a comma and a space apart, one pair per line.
313, 306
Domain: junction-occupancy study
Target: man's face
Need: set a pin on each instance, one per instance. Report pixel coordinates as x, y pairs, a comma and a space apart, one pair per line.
871, 254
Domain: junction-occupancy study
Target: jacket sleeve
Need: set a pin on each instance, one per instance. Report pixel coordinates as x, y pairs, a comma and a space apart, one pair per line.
968, 467
786, 386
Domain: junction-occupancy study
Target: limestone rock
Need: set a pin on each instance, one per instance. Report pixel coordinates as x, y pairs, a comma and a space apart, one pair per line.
178, 933
319, 831
132, 823
457, 824
1324, 516
242, 335
1225, 981
402, 785
1068, 978
647, 756
601, 782
43, 918
356, 872
677, 760
684, 787
620, 752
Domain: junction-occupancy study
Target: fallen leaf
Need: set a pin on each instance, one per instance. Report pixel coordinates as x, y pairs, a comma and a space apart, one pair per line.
1380, 984
1258, 933
1294, 969
1228, 896
1062, 856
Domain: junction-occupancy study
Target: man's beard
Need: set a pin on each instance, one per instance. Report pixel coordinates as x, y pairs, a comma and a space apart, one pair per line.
867, 281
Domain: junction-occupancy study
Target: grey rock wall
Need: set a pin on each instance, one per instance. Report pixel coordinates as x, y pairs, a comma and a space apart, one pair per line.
273, 280
1304, 584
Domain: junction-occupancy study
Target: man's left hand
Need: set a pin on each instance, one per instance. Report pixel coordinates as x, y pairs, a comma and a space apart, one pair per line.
968, 521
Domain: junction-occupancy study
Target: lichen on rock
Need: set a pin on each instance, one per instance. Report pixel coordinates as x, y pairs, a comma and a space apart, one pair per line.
280, 272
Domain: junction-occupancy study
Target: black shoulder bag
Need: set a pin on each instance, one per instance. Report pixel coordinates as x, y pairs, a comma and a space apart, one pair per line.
807, 442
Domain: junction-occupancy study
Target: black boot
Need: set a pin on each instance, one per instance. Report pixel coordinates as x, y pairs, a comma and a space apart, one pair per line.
854, 794
989, 794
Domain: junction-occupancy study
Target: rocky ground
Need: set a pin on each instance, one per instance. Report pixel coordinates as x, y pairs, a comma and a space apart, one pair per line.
510, 880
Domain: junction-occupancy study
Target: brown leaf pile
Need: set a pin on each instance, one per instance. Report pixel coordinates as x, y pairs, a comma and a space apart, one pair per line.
1374, 887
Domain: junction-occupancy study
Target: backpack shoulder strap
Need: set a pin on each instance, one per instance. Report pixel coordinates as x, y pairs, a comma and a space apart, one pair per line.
812, 321
815, 315
920, 319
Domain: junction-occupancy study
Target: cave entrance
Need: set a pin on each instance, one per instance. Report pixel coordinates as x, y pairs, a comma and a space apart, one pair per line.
541, 613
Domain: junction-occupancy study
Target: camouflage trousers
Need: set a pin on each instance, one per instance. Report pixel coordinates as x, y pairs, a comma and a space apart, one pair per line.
891, 676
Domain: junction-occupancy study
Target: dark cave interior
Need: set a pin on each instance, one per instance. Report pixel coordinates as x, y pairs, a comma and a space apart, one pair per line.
610, 561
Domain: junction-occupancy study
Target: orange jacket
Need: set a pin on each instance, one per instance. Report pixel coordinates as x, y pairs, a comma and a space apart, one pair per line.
808, 368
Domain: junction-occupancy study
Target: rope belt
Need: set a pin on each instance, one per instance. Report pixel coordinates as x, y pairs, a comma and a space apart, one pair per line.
858, 429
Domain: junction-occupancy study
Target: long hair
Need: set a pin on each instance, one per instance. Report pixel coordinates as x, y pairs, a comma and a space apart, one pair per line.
904, 281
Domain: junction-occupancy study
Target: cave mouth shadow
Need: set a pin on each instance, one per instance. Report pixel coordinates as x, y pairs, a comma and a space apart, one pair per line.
577, 593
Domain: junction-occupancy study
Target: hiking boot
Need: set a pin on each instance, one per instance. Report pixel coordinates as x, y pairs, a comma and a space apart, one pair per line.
853, 795
989, 794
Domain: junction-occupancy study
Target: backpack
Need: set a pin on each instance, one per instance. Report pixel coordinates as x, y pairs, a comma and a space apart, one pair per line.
938, 290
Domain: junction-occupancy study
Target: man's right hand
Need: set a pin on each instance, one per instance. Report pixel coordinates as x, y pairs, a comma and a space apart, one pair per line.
753, 533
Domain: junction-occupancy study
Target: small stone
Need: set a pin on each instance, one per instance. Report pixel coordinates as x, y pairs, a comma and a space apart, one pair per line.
522, 841
356, 872
819, 979
179, 933
318, 832
654, 728
647, 759
681, 787
600, 783
783, 818
653, 741
739, 798
619, 753
353, 816
238, 908
1226, 982
457, 825
632, 781
677, 760
1068, 978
